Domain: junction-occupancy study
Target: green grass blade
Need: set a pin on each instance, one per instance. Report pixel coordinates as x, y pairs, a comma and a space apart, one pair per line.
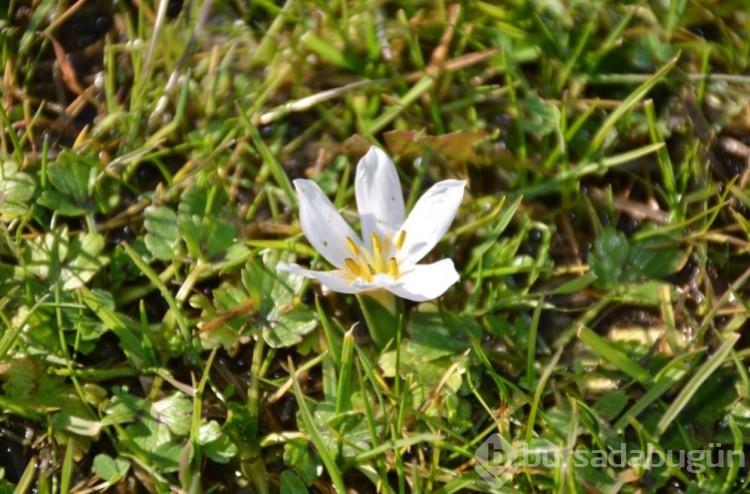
717, 359
312, 431
631, 101
614, 356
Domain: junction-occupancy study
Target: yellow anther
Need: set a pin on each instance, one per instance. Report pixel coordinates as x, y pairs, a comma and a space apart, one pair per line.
352, 246
377, 246
352, 266
393, 267
377, 253
366, 263
401, 238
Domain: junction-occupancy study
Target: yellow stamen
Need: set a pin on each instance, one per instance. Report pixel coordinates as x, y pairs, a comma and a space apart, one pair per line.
352, 246
357, 269
367, 263
401, 238
376, 245
352, 266
377, 253
393, 267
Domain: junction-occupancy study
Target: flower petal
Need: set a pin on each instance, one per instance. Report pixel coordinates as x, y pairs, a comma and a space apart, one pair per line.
332, 279
324, 227
429, 220
379, 198
425, 281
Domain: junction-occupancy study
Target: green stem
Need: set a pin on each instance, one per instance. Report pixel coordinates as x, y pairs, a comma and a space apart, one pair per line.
382, 311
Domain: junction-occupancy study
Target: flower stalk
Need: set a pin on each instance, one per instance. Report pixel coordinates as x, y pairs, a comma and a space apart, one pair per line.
383, 313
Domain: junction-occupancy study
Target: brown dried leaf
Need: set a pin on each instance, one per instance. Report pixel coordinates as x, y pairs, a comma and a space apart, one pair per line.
457, 147
68, 72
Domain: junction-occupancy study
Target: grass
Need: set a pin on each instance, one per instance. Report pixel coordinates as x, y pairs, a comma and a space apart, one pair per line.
148, 343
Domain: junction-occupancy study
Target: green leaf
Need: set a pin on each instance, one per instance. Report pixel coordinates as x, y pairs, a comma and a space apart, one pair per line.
16, 190
124, 408
287, 326
285, 319
220, 237
84, 260
428, 372
88, 326
209, 234
165, 455
73, 180
651, 52
593, 470
203, 202
242, 428
542, 117
44, 254
28, 386
200, 223
616, 260
191, 231
111, 470
174, 412
158, 430
56, 257
72, 176
608, 258
133, 343
162, 236
347, 432
612, 404
6, 487
433, 336
430, 351
60, 203
215, 444
298, 455
291, 484
652, 260
27, 382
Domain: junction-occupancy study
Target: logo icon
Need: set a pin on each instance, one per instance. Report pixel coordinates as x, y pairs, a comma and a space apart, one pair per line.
496, 461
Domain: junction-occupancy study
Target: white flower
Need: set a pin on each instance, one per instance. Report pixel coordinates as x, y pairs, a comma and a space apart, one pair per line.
391, 245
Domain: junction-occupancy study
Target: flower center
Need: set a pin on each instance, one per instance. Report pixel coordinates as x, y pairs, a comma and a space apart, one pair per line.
380, 260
